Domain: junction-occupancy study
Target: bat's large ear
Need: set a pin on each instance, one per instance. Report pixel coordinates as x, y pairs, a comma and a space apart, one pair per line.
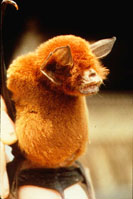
59, 58
103, 47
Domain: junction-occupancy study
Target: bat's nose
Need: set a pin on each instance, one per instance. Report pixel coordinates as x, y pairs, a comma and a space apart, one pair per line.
91, 76
91, 73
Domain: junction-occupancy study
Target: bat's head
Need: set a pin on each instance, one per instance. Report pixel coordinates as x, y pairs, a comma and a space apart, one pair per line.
73, 64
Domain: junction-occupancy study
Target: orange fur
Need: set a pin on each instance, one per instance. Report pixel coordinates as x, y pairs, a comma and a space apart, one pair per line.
51, 120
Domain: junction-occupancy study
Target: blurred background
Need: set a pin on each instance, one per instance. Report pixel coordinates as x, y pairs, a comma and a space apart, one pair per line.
109, 156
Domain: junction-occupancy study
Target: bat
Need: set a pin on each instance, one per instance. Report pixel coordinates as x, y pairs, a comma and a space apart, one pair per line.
48, 88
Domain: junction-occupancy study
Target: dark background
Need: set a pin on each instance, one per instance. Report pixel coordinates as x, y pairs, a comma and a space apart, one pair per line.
92, 20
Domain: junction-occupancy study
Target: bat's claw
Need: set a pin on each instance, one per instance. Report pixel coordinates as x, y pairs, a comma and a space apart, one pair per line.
10, 2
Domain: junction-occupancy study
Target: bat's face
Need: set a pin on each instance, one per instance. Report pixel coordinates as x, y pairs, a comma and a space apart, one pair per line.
76, 70
88, 82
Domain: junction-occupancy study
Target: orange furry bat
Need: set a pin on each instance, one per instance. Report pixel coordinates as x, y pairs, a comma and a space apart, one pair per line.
49, 87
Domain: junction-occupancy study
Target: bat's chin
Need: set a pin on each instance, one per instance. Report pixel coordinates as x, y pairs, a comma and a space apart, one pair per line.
89, 89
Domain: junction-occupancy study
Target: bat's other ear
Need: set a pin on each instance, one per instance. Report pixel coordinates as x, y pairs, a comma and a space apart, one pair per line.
60, 57
103, 47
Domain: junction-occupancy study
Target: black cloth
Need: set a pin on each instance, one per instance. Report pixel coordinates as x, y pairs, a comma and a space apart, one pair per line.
53, 178
58, 179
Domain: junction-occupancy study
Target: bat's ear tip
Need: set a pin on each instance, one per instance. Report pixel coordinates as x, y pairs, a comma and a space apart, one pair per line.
103, 47
114, 38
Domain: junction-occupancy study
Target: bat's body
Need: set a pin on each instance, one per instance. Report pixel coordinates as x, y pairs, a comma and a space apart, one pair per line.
52, 130
49, 88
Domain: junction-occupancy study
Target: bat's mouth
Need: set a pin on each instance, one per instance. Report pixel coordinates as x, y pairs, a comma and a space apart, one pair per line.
89, 89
